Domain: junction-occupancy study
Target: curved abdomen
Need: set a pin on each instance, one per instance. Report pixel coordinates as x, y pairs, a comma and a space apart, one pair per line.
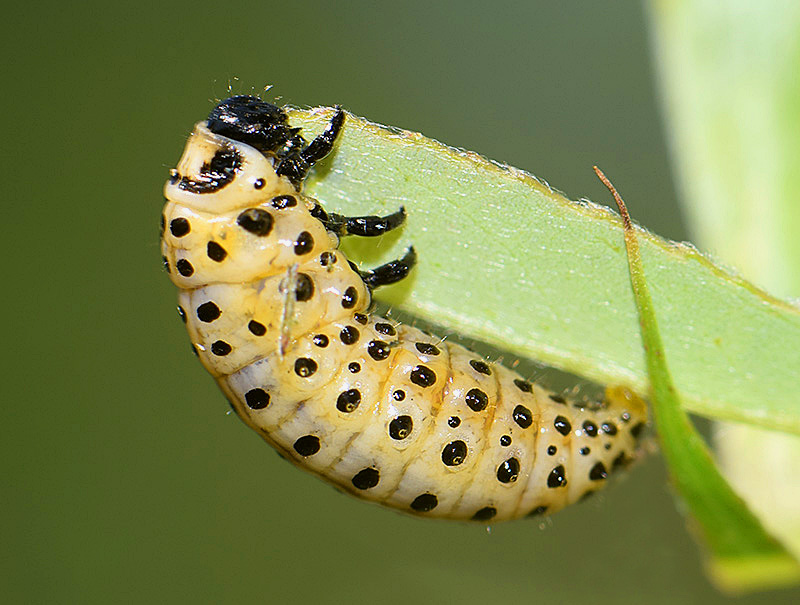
392, 415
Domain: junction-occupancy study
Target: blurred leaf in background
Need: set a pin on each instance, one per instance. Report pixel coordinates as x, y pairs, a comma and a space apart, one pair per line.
730, 73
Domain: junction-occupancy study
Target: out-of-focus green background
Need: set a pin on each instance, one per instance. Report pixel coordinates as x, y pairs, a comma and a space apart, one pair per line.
123, 477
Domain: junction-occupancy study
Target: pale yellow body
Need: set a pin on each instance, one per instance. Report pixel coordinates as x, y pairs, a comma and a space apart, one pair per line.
291, 361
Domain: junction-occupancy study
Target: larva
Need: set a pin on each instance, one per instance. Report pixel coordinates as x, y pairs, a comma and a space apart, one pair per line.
281, 319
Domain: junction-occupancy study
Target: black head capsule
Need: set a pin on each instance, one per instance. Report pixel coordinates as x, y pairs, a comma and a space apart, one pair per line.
250, 120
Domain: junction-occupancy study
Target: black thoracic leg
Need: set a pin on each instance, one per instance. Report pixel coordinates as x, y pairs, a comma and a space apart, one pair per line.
367, 226
391, 272
298, 162
294, 145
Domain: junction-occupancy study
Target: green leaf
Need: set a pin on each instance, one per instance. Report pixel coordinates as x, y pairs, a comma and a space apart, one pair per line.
505, 259
742, 554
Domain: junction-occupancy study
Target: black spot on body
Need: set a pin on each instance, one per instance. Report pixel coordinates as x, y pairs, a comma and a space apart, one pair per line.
477, 400
385, 329
480, 366
551, 450
221, 348
349, 335
184, 267
354, 367
165, 263
182, 314
585, 451
378, 350
598, 472
320, 340
259, 184
348, 400
307, 446
208, 312
350, 298
557, 477
562, 425
179, 227
522, 416
424, 503
558, 399
523, 385
505, 440
305, 367
538, 511
360, 317
304, 243
453, 422
327, 258
508, 471
621, 461
590, 428
367, 478
399, 395
636, 431
304, 289
284, 201
216, 252
256, 221
213, 175
454, 453
401, 427
484, 514
256, 328
426, 348
256, 399
609, 428
423, 376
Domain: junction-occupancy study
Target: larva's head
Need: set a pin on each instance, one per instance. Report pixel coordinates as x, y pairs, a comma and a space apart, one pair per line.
250, 120
229, 160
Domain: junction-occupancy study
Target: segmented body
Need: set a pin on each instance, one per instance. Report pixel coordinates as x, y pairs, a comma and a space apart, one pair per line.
282, 320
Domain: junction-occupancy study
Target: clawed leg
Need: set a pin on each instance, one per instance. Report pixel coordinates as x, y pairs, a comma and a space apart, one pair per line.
391, 272
298, 162
294, 145
367, 226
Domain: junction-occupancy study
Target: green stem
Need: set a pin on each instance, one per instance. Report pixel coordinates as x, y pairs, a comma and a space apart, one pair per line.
742, 554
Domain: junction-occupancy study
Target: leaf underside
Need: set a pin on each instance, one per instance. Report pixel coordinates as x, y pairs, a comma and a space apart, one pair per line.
507, 260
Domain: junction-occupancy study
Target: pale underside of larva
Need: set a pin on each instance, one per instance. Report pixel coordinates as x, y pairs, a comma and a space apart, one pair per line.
282, 320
